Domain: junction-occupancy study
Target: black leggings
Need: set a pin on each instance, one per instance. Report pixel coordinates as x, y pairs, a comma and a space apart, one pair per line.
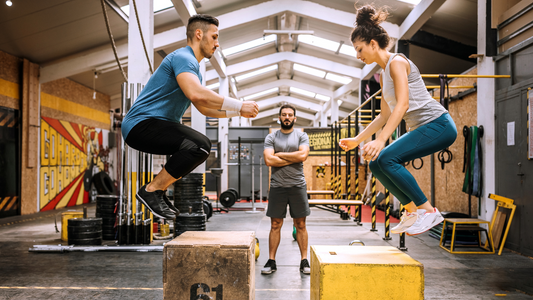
188, 148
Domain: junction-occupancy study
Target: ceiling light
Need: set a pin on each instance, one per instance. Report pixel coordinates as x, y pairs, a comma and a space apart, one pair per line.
263, 93
158, 5
415, 2
302, 92
322, 97
9, 3
338, 78
339, 102
319, 42
310, 71
249, 45
256, 72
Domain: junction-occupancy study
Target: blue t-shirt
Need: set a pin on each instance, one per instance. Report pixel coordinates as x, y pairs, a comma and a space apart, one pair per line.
162, 97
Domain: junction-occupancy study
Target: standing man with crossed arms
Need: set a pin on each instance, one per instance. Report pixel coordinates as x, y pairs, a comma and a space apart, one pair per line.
285, 151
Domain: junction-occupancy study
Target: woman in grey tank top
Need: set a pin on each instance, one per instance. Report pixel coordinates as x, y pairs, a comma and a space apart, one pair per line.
404, 96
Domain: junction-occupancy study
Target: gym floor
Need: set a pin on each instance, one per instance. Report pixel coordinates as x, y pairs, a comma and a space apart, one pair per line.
106, 275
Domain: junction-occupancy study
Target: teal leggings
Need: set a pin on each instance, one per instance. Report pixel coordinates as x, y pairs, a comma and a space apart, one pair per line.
425, 140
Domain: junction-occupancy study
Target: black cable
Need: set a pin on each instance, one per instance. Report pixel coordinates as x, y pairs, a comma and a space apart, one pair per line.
421, 163
466, 134
112, 41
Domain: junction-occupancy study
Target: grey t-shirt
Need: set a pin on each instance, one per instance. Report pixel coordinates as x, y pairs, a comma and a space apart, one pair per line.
293, 174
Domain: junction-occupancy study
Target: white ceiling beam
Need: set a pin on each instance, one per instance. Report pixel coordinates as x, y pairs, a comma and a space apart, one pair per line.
300, 103
270, 59
284, 82
91, 59
185, 9
233, 89
418, 17
346, 89
274, 112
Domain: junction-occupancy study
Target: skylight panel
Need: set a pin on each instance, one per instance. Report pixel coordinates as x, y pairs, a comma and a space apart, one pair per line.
263, 93
339, 102
338, 78
213, 86
318, 42
158, 6
249, 45
302, 92
310, 71
256, 72
348, 50
322, 97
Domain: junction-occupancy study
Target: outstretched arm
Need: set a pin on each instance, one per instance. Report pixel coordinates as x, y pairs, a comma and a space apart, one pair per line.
272, 160
201, 96
296, 156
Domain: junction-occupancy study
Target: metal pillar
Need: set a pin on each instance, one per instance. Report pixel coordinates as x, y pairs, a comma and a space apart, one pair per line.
387, 216
373, 204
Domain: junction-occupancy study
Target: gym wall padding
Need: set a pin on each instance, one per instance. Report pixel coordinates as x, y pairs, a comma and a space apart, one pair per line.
449, 182
77, 103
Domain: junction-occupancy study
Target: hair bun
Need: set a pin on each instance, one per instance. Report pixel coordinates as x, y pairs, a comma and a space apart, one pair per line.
369, 16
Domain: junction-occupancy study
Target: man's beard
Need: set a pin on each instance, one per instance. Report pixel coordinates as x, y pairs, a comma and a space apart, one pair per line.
206, 52
286, 127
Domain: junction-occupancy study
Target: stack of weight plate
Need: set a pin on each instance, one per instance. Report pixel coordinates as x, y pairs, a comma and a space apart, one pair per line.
188, 199
106, 209
84, 231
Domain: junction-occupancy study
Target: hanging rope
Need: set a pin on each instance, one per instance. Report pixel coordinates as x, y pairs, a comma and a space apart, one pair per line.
142, 38
112, 41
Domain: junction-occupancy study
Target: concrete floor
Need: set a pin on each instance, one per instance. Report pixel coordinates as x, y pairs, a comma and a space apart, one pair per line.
104, 275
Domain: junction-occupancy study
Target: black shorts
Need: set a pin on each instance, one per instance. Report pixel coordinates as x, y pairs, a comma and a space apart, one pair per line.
295, 197
188, 148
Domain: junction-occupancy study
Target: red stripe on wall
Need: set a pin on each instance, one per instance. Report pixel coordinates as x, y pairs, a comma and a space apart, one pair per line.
52, 204
74, 197
61, 130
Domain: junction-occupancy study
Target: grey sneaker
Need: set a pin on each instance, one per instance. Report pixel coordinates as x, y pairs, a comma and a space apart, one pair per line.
425, 222
407, 220
170, 205
305, 267
155, 203
270, 267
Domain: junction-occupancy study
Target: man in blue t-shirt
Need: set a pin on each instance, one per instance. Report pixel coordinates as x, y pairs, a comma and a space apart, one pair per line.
152, 125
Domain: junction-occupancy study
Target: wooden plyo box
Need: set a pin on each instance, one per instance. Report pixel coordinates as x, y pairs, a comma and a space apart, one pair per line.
218, 265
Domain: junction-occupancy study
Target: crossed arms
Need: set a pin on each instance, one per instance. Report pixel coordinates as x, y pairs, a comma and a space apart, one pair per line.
282, 159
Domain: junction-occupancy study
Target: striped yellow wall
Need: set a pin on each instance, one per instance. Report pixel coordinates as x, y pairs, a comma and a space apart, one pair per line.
10, 89
76, 109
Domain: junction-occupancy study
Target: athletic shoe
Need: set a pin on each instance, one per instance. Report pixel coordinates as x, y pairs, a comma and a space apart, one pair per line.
155, 203
425, 222
406, 221
170, 205
270, 267
305, 267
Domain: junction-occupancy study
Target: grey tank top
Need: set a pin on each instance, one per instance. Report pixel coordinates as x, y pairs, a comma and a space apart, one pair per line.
422, 107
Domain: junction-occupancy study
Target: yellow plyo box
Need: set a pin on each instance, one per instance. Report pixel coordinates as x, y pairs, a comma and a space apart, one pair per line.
365, 272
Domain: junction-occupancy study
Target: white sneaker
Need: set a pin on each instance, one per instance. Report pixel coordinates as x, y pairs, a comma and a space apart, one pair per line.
406, 221
425, 222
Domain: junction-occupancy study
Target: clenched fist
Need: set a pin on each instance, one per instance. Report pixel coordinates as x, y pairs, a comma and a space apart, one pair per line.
249, 109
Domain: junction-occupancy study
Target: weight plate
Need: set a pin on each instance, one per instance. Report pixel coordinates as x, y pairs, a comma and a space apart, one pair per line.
106, 215
235, 191
77, 222
227, 199
83, 229
208, 209
84, 235
79, 242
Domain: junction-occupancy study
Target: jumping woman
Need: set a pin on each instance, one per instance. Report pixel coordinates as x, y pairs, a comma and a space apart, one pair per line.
404, 96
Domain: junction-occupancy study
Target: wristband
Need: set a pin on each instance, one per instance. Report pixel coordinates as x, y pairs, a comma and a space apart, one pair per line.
231, 104
230, 114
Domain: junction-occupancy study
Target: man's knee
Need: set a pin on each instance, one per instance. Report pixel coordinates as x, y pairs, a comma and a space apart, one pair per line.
276, 224
299, 223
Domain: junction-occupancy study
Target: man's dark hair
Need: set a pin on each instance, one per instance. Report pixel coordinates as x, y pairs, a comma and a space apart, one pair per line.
287, 106
201, 22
